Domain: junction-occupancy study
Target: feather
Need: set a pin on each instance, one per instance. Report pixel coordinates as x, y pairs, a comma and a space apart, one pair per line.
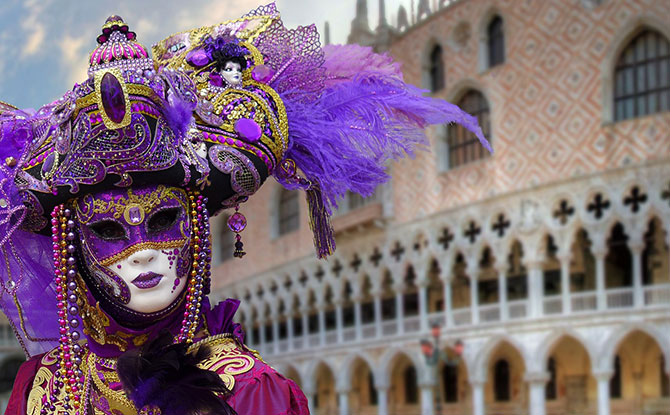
344, 139
178, 113
346, 62
165, 375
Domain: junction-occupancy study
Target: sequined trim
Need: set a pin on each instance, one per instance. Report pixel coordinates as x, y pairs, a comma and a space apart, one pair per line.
176, 243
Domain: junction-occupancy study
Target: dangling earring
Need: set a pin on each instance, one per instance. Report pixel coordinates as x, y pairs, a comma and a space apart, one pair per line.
69, 375
237, 223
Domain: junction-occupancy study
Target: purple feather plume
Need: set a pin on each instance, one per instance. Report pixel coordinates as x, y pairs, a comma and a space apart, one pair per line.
344, 139
166, 375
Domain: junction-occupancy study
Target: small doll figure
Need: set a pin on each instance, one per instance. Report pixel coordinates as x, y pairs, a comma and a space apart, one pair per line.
224, 58
229, 62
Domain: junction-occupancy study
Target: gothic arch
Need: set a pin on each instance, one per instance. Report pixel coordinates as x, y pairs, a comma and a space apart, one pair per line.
480, 363
389, 358
610, 346
541, 354
347, 367
622, 37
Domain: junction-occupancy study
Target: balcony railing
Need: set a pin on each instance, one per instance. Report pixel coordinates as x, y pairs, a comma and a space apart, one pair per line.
518, 309
552, 305
620, 298
489, 313
582, 303
657, 295
462, 316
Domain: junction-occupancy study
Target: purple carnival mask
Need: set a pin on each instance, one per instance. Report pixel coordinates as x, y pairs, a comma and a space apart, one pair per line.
135, 244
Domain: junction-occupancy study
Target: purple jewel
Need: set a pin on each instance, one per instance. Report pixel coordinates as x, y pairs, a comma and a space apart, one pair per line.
135, 215
262, 73
237, 222
113, 100
197, 58
247, 129
215, 79
48, 163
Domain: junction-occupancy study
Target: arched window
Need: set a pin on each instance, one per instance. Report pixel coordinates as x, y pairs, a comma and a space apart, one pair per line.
436, 69
615, 382
289, 212
550, 391
501, 381
226, 241
619, 260
411, 392
450, 383
463, 146
642, 77
496, 42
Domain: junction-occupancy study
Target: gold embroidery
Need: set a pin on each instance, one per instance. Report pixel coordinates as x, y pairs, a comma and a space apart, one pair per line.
148, 201
43, 385
40, 388
116, 399
177, 243
227, 359
255, 25
95, 321
50, 358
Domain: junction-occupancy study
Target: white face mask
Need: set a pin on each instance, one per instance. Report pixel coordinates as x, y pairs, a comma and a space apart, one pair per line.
151, 276
137, 246
232, 73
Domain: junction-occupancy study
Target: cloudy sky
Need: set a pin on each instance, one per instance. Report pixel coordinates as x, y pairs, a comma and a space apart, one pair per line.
44, 44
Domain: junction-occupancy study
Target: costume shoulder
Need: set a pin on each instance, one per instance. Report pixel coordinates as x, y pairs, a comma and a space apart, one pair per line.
29, 382
256, 387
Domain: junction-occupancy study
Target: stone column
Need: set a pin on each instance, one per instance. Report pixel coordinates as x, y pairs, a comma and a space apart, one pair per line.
343, 402
338, 321
382, 400
427, 403
322, 327
448, 312
423, 305
601, 299
399, 307
603, 379
310, 401
378, 314
537, 383
261, 334
275, 335
502, 292
477, 397
535, 288
249, 333
473, 274
638, 291
358, 319
305, 329
566, 303
289, 332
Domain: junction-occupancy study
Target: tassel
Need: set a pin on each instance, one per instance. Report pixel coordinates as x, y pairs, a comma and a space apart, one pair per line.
319, 222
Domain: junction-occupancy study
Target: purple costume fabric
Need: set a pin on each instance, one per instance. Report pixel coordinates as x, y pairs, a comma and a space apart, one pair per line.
262, 390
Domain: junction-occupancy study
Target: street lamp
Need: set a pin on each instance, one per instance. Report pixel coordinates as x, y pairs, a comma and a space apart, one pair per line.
431, 351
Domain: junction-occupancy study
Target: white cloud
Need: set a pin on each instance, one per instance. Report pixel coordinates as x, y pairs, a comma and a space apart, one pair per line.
33, 27
74, 58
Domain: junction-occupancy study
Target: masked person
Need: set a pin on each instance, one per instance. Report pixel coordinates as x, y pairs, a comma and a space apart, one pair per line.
106, 195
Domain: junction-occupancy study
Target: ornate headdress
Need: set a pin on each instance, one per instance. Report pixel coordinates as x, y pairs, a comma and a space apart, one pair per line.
324, 120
